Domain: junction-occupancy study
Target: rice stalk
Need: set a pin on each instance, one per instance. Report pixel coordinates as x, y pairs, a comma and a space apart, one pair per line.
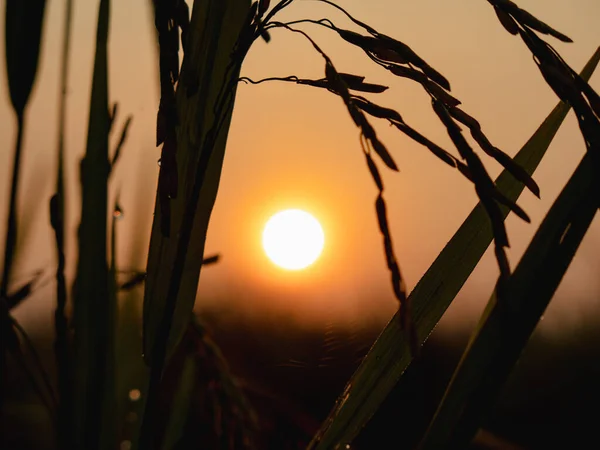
57, 220
109, 430
91, 299
390, 355
23, 31
193, 126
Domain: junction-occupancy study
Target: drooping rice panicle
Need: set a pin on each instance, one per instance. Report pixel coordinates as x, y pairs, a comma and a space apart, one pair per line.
378, 46
370, 142
568, 85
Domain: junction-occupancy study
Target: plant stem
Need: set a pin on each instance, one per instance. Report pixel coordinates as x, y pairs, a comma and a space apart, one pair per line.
61, 344
11, 228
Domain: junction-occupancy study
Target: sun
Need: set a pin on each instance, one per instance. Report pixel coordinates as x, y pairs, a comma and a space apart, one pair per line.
293, 239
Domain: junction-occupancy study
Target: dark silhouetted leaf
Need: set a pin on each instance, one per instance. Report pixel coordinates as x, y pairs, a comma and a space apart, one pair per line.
140, 277
213, 259
508, 322
119, 146
90, 304
23, 31
112, 115
134, 281
22, 293
24, 23
174, 261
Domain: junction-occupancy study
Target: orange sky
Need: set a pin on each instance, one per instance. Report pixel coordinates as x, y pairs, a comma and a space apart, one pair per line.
294, 146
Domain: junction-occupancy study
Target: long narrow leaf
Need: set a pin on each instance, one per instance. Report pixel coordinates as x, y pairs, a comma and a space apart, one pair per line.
23, 34
23, 31
91, 305
109, 421
390, 356
174, 260
506, 325
211, 45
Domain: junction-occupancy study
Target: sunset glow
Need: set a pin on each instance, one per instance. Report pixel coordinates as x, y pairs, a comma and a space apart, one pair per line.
293, 239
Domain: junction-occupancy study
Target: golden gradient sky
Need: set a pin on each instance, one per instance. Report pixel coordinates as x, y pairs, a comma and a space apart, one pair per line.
294, 146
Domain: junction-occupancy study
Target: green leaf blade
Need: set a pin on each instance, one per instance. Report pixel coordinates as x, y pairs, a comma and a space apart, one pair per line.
389, 356
215, 27
507, 324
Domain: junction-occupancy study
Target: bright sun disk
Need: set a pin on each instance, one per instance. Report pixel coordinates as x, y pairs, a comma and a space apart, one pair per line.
293, 239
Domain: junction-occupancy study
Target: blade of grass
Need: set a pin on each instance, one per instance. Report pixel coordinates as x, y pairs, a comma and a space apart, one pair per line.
390, 356
23, 31
210, 46
174, 261
109, 423
506, 325
91, 305
21, 294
